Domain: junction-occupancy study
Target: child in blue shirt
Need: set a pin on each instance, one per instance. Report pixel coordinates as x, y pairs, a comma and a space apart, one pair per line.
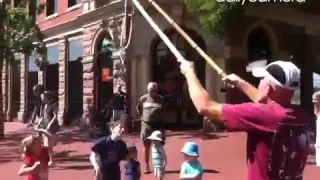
191, 168
107, 153
132, 167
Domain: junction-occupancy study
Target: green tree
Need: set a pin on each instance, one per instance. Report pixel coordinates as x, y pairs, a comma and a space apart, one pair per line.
214, 16
18, 32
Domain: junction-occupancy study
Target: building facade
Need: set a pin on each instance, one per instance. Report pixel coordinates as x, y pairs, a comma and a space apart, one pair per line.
75, 32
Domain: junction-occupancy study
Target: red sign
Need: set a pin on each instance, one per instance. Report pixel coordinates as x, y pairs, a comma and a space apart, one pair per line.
105, 75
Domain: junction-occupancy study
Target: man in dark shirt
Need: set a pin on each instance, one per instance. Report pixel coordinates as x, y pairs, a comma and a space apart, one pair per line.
118, 105
262, 120
107, 153
36, 114
149, 107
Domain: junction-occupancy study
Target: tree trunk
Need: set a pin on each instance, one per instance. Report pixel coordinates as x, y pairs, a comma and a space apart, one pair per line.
1, 104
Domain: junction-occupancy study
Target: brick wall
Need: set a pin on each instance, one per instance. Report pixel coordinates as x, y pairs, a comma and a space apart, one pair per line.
64, 15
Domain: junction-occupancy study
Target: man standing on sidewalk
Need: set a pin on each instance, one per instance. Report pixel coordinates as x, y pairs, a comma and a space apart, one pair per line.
118, 103
277, 144
149, 108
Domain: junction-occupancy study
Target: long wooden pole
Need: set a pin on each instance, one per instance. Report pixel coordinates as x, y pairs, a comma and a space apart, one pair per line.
165, 39
187, 37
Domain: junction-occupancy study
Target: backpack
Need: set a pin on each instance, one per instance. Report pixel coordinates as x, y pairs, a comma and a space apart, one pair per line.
289, 152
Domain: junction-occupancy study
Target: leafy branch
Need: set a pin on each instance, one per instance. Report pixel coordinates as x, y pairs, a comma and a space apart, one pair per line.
19, 30
215, 16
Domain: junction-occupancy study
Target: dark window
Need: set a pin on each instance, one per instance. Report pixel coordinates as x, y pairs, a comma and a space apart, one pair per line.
75, 80
32, 9
73, 2
16, 3
52, 7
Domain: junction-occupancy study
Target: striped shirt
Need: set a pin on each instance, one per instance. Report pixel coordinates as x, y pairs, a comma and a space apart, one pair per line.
158, 155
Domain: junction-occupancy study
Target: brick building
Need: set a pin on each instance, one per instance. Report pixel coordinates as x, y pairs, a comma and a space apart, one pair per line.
75, 30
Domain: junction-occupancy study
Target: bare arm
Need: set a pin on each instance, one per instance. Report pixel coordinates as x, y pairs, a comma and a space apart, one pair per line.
139, 107
52, 120
249, 90
25, 170
94, 161
201, 99
44, 131
164, 156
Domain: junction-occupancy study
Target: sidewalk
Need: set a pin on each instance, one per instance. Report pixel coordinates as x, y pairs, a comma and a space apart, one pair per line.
222, 155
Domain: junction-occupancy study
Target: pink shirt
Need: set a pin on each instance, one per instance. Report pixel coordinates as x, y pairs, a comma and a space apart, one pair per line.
260, 121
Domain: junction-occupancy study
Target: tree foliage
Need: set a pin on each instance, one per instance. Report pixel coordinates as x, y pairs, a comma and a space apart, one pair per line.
214, 15
18, 28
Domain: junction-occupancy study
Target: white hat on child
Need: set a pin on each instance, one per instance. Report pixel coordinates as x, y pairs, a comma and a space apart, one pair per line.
156, 135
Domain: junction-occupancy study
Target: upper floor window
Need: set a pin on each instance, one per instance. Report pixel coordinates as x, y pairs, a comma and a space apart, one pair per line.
52, 7
73, 2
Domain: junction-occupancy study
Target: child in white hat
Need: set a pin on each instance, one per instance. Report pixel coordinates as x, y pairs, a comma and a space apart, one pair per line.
159, 157
191, 168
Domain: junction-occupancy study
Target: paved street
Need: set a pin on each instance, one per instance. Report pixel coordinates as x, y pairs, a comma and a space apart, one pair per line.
222, 155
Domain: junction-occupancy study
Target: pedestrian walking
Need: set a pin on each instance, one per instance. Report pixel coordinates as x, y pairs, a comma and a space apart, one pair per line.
159, 157
36, 159
149, 108
49, 122
316, 102
133, 171
38, 90
118, 103
191, 168
275, 128
107, 153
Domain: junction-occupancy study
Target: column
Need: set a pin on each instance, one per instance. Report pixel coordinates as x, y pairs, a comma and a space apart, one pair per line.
22, 114
41, 77
88, 88
307, 60
213, 86
88, 61
62, 98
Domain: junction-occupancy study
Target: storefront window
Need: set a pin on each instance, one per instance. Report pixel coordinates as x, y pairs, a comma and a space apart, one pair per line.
75, 49
75, 79
53, 54
52, 71
32, 80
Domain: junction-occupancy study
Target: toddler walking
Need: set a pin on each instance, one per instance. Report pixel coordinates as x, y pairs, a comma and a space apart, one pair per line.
36, 159
132, 167
159, 157
191, 167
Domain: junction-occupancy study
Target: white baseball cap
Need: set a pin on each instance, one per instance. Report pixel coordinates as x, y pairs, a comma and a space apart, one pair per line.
283, 73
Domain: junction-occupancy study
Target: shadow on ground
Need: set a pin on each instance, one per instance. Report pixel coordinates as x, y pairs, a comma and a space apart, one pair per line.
209, 171
200, 134
67, 160
10, 147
